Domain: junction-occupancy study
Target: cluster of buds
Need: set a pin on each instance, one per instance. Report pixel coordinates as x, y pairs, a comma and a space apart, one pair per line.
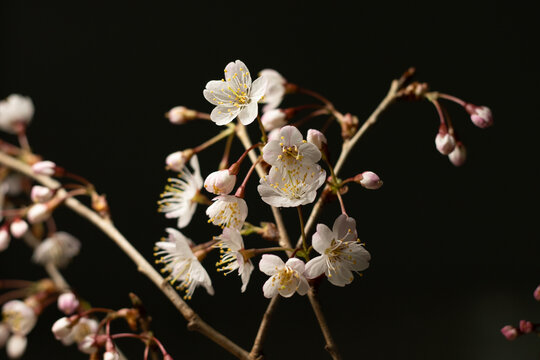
511, 332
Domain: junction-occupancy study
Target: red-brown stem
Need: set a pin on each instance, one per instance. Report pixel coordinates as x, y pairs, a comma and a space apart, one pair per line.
310, 116
76, 177
452, 98
235, 168
439, 111
142, 338
14, 283
341, 203
13, 294
241, 190
317, 96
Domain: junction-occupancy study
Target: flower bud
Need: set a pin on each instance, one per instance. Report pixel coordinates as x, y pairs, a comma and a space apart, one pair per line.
525, 326
88, 345
481, 116
509, 332
61, 328
4, 334
177, 160
180, 115
274, 119
368, 180
220, 182
458, 155
16, 111
16, 346
41, 194
44, 168
445, 142
111, 355
38, 213
4, 238
536, 293
67, 303
18, 228
317, 138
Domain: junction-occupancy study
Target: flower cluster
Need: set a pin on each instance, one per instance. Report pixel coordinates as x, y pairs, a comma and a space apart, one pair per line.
511, 332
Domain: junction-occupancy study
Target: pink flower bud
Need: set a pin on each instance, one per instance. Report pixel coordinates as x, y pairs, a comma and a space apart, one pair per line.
536, 293
4, 238
445, 142
509, 332
16, 346
220, 182
317, 138
18, 228
481, 116
38, 213
458, 155
369, 180
274, 119
177, 160
525, 326
180, 115
44, 168
61, 328
68, 303
41, 194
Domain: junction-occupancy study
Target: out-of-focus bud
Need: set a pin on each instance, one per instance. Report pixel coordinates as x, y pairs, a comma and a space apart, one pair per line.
111, 355
458, 155
38, 213
368, 180
536, 293
481, 116
269, 231
16, 346
167, 357
445, 142
4, 334
46, 167
525, 326
18, 228
16, 111
61, 328
349, 125
220, 182
177, 160
317, 138
273, 135
4, 238
509, 332
68, 303
274, 119
100, 204
88, 345
180, 115
41, 194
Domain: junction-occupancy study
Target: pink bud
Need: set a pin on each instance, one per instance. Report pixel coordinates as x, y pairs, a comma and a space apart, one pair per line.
220, 182
44, 168
445, 143
481, 116
61, 328
458, 155
38, 213
180, 115
369, 180
68, 303
41, 194
536, 293
4, 238
16, 346
317, 138
177, 160
509, 332
525, 326
18, 228
274, 119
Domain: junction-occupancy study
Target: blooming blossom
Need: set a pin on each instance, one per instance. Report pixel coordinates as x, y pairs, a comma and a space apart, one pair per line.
178, 200
19, 317
230, 242
290, 149
57, 249
79, 331
285, 278
182, 264
275, 89
228, 211
341, 252
235, 95
15, 110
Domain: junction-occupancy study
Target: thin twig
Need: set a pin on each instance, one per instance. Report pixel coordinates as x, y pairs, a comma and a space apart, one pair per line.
330, 344
263, 328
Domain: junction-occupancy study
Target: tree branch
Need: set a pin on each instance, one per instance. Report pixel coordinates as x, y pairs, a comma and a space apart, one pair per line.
330, 344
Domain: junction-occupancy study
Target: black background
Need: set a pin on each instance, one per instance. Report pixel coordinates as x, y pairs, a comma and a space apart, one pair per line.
455, 256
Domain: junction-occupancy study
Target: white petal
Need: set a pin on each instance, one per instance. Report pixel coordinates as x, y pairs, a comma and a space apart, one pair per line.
345, 226
322, 238
303, 286
233, 239
246, 274
296, 264
222, 115
248, 113
361, 257
217, 92
341, 277
315, 267
288, 289
291, 136
309, 152
270, 264
258, 88
271, 151
269, 288
181, 242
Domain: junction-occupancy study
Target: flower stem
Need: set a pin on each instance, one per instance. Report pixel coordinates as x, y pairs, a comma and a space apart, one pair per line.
222, 135
452, 98
225, 159
242, 189
341, 203
264, 138
302, 228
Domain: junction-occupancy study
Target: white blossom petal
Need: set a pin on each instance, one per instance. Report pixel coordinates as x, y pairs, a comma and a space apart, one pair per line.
248, 114
269, 288
271, 264
322, 238
316, 267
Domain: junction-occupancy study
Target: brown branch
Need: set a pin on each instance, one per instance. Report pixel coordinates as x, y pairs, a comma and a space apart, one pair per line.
255, 353
330, 344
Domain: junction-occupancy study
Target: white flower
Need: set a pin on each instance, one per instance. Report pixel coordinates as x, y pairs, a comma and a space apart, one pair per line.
275, 90
15, 110
57, 249
178, 199
16, 346
230, 243
228, 211
341, 252
235, 95
291, 186
220, 182
290, 149
111, 355
178, 160
79, 331
19, 317
182, 264
274, 119
285, 278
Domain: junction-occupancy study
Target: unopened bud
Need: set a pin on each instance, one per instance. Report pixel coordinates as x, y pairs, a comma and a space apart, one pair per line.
536, 293
458, 155
317, 138
44, 168
16, 346
526, 327
38, 213
220, 182
177, 160
111, 355
481, 116
89, 344
180, 115
4, 238
509, 332
445, 142
274, 119
41, 194
61, 328
18, 228
67, 303
368, 180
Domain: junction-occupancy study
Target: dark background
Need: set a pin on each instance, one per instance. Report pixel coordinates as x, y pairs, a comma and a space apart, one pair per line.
454, 253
